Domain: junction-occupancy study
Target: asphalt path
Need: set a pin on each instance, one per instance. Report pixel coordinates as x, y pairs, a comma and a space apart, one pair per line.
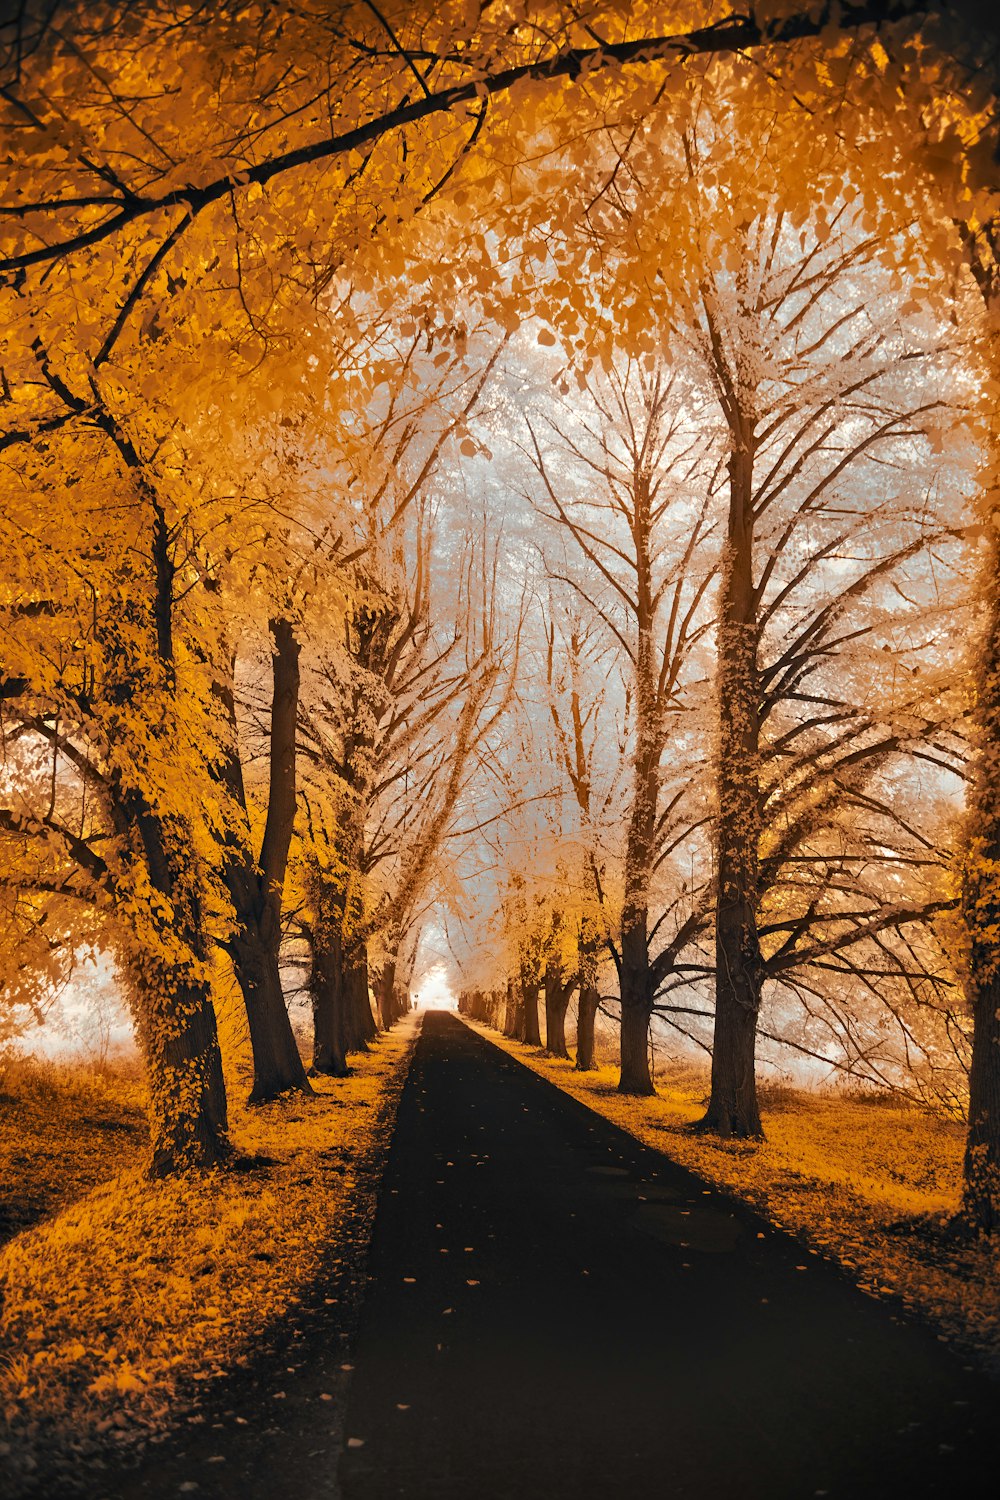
554, 1310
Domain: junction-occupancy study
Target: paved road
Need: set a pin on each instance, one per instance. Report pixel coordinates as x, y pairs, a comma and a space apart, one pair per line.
557, 1311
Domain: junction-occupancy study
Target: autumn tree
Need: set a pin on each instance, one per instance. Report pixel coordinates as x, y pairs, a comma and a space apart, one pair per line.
580, 705
638, 512
824, 405
184, 172
373, 722
99, 668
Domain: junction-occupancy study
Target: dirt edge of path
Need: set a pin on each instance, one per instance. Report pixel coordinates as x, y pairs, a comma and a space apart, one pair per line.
212, 1411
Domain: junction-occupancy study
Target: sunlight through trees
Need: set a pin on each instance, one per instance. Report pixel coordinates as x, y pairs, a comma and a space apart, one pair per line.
511, 488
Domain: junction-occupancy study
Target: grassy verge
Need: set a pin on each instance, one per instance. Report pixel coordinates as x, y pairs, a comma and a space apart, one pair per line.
63, 1130
113, 1309
869, 1184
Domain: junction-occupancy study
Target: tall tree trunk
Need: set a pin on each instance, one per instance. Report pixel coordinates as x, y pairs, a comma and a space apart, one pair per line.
733, 1109
585, 1022
635, 979
179, 1039
256, 888
529, 996
175, 1018
636, 984
636, 1012
981, 910
361, 1027
586, 1010
981, 865
981, 1167
277, 1063
511, 1010
165, 959
388, 1007
326, 990
557, 993
341, 1007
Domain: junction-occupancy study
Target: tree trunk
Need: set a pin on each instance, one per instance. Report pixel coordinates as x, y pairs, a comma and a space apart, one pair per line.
529, 994
256, 890
981, 1168
388, 1010
175, 1019
980, 1209
510, 1015
636, 1011
326, 988
588, 943
733, 1109
277, 1063
557, 994
636, 981
361, 1027
342, 1014
635, 1077
585, 1019
176, 1026
981, 911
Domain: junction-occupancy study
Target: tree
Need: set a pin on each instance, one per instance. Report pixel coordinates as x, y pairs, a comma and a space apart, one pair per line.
579, 707
640, 536
732, 222
812, 388
140, 705
98, 668
256, 884
372, 725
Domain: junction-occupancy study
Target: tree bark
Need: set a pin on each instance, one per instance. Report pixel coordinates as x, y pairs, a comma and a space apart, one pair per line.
635, 980
361, 1027
636, 1011
529, 996
733, 1109
256, 888
176, 1025
165, 959
981, 1167
511, 1016
980, 1209
166, 965
387, 999
326, 989
557, 993
585, 1020
588, 943
277, 1063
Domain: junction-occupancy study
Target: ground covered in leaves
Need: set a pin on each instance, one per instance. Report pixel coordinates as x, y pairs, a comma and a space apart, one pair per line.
113, 1309
868, 1182
63, 1129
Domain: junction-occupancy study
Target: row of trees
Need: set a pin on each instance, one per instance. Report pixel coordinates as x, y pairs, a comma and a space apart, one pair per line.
848, 680
771, 524
240, 252
232, 704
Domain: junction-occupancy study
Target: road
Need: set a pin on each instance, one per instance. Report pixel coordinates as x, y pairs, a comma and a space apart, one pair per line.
555, 1310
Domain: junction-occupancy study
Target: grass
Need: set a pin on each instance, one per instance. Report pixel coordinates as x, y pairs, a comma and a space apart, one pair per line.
116, 1305
870, 1187
64, 1128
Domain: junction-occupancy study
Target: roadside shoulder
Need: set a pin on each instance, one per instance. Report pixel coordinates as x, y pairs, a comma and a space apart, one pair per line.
116, 1309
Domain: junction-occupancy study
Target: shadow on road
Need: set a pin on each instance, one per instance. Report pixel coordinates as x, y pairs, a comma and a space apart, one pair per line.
557, 1311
